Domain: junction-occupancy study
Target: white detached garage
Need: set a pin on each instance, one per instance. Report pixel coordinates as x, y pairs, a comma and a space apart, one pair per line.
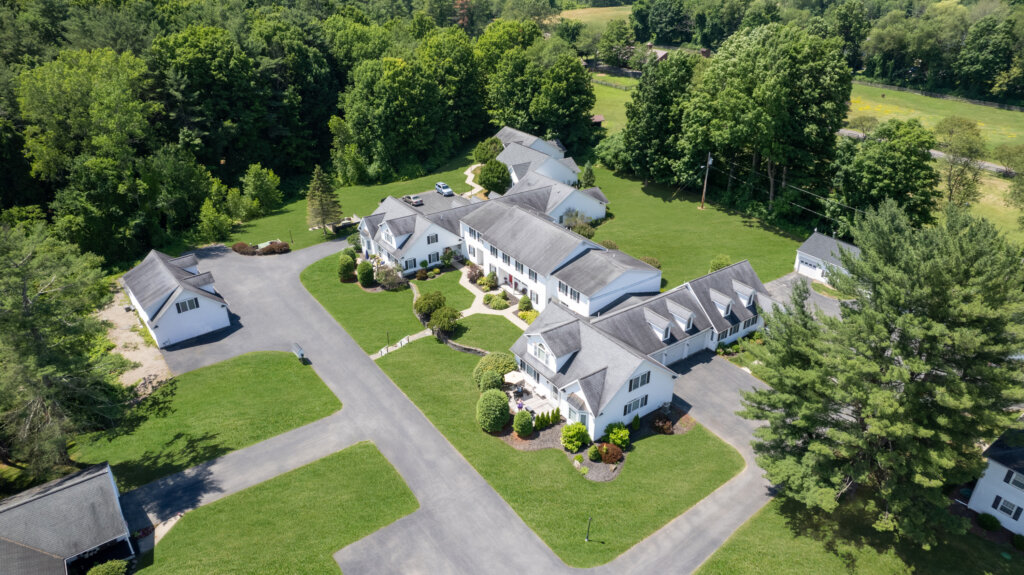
175, 301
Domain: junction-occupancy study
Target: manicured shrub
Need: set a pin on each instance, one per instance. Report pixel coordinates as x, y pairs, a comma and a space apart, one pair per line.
617, 435
474, 273
610, 453
499, 303
421, 274
390, 278
423, 264
1018, 542
653, 262
541, 422
522, 424
574, 436
494, 177
353, 240
584, 230
431, 274
445, 320
609, 244
635, 424
428, 303
525, 304
244, 249
351, 252
364, 272
491, 379
988, 522
578, 458
718, 262
275, 248
488, 282
447, 257
528, 316
487, 150
593, 453
501, 362
662, 424
492, 410
557, 416
488, 299
346, 268
503, 295
114, 567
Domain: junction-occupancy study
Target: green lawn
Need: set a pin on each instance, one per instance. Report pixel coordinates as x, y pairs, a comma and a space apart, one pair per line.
292, 523
289, 222
611, 103
657, 221
782, 542
998, 126
598, 17
490, 332
624, 81
208, 412
664, 476
826, 290
992, 206
372, 319
447, 283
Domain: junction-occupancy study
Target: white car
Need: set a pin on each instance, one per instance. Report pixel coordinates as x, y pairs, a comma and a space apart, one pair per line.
443, 189
413, 200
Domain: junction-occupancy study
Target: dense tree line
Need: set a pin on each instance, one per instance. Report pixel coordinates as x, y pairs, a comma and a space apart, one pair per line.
133, 123
976, 49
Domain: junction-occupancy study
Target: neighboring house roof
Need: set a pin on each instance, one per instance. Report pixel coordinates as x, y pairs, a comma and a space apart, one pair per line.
632, 324
159, 277
543, 194
530, 238
598, 361
596, 193
43, 526
592, 271
509, 135
724, 282
1008, 450
826, 248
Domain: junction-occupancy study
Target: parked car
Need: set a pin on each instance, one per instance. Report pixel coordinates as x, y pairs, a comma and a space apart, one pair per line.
413, 200
443, 189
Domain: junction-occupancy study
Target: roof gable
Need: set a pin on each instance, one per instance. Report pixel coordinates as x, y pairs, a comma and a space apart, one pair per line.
158, 276
826, 249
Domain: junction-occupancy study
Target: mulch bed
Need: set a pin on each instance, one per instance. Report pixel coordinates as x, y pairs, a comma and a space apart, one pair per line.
598, 470
1002, 536
550, 438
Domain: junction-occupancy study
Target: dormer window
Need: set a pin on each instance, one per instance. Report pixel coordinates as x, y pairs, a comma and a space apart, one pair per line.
541, 352
722, 302
744, 293
682, 315
388, 237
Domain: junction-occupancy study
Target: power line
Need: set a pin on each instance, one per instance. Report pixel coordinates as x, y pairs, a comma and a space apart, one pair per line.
751, 170
762, 190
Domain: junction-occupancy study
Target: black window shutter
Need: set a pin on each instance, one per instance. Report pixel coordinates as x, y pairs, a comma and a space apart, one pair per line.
625, 410
1009, 476
1016, 514
995, 504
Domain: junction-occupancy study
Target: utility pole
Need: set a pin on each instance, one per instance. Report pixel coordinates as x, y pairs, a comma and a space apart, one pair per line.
707, 170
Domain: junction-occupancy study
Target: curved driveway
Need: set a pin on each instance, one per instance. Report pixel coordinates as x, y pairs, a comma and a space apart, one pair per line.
462, 525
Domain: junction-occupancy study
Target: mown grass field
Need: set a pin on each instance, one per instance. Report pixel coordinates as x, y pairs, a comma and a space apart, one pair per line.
655, 220
997, 126
448, 284
780, 541
598, 17
292, 523
372, 319
490, 332
611, 103
208, 412
992, 206
663, 476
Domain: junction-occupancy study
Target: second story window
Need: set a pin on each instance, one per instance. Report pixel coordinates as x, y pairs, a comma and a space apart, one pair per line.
432, 239
494, 252
519, 266
187, 305
505, 259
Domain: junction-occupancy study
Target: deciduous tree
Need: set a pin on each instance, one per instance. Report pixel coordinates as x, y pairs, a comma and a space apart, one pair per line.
964, 146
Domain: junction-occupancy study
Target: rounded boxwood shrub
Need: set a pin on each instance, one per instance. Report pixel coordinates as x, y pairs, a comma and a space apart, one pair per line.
421, 274
610, 453
529, 316
498, 303
501, 362
525, 304
491, 379
617, 434
113, 567
445, 320
473, 273
492, 410
988, 522
350, 252
522, 424
593, 453
364, 272
574, 436
346, 268
428, 303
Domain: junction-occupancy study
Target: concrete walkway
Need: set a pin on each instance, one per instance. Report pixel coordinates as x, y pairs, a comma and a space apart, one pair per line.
471, 182
478, 303
462, 525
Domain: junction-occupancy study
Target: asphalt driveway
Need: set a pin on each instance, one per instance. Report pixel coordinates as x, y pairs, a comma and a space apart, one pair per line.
782, 289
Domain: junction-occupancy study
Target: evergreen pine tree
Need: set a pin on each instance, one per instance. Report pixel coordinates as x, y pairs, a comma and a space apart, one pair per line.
322, 205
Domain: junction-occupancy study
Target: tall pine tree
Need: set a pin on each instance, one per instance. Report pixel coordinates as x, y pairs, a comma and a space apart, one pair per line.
894, 399
322, 205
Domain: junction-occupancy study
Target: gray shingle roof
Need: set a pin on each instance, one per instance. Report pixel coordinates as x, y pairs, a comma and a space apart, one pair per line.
721, 281
159, 275
597, 194
562, 339
631, 324
509, 135
544, 194
1008, 450
62, 518
516, 154
826, 248
595, 269
531, 239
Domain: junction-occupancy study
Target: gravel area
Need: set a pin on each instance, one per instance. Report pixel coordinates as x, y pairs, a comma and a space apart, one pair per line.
152, 369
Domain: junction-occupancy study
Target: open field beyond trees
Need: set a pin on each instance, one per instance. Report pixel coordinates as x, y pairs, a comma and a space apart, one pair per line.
611, 103
373, 319
208, 412
291, 523
657, 221
780, 541
598, 17
992, 206
663, 476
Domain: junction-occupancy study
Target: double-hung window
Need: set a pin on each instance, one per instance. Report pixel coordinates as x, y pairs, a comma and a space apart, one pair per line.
409, 264
187, 305
506, 259
541, 352
434, 258
1015, 479
1006, 507
473, 233
640, 381
494, 252
519, 266
735, 328
533, 275
574, 295
563, 289
634, 405
472, 252
432, 239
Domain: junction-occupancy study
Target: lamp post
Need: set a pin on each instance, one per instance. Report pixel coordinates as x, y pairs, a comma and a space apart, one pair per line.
587, 539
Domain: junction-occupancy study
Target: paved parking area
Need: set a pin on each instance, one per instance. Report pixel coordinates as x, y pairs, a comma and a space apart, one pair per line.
781, 289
